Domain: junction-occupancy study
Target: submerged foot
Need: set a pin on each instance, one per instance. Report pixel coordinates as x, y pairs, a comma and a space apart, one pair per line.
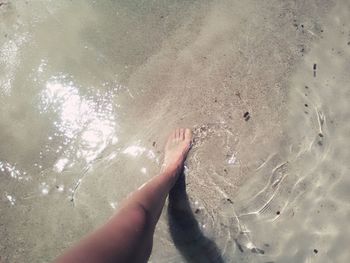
176, 149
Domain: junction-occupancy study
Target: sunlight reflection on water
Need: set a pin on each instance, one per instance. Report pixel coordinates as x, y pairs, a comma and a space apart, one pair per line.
90, 124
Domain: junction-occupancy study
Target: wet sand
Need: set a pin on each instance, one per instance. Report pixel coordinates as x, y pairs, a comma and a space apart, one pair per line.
89, 90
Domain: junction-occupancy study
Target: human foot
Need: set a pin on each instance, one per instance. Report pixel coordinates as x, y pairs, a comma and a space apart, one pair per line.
176, 149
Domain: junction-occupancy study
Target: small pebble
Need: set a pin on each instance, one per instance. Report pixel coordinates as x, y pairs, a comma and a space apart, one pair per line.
238, 94
239, 246
315, 66
315, 251
257, 250
229, 200
278, 212
246, 116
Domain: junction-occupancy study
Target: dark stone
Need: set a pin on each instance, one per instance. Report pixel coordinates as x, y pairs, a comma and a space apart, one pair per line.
239, 246
238, 94
315, 251
229, 200
278, 212
257, 250
246, 116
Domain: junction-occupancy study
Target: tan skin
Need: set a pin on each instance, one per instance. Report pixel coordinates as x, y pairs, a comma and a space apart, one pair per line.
128, 235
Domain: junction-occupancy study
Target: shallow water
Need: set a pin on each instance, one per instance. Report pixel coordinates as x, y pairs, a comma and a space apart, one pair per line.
89, 91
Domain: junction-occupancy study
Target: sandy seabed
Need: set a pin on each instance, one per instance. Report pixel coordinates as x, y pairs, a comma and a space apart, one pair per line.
89, 91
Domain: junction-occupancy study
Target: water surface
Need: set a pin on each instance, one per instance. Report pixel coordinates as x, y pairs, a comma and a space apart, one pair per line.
89, 90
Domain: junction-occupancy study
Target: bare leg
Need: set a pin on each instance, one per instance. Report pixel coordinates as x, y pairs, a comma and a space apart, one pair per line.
128, 235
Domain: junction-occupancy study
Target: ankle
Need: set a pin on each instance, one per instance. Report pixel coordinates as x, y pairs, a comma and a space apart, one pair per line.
172, 172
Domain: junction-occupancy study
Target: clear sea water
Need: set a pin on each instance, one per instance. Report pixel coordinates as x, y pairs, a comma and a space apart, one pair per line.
89, 90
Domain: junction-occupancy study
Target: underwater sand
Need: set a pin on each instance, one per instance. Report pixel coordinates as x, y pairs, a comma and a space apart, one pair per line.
89, 91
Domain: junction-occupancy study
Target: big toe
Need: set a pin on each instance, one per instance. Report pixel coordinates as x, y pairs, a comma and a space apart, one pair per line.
188, 135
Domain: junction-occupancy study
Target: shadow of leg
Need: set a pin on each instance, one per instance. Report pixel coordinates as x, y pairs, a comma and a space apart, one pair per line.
184, 229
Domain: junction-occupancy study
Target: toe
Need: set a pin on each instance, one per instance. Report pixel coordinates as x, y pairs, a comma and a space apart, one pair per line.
188, 135
182, 134
179, 137
172, 135
175, 134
